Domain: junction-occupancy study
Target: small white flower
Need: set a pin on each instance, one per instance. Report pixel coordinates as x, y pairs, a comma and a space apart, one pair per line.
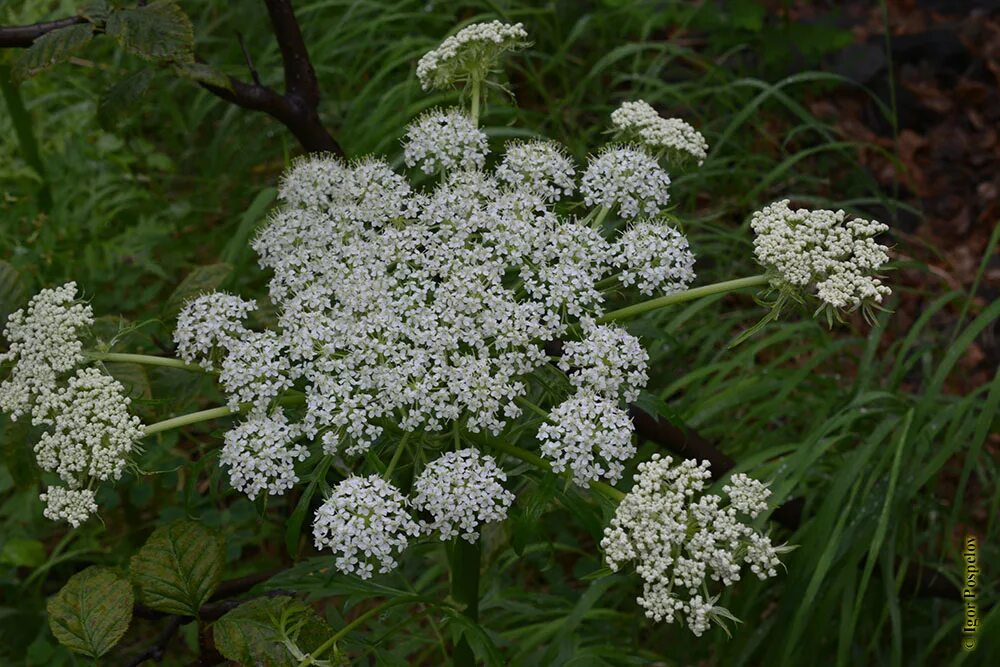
444, 140
608, 361
45, 344
91, 432
639, 121
71, 505
261, 453
208, 324
461, 491
539, 167
473, 49
655, 257
366, 522
627, 177
590, 435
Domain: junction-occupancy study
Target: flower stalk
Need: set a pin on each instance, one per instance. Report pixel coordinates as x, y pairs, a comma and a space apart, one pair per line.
679, 297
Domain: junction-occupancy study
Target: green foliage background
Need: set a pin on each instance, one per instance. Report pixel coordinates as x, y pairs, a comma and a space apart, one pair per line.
160, 198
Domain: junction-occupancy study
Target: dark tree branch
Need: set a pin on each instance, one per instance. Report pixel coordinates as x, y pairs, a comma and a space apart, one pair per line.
158, 648
297, 109
23, 36
300, 78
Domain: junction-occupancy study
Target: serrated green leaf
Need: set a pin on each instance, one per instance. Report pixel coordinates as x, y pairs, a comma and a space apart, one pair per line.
178, 568
122, 96
50, 49
202, 279
96, 11
92, 611
252, 633
12, 291
159, 31
203, 73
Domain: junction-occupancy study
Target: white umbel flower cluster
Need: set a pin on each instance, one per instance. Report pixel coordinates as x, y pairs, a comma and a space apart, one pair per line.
261, 452
822, 251
626, 177
680, 539
44, 340
208, 324
462, 491
444, 140
74, 506
640, 122
589, 435
539, 167
366, 522
472, 51
609, 361
654, 257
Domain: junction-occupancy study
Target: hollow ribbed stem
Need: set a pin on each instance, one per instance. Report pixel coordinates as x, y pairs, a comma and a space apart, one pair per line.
146, 359
192, 418
680, 297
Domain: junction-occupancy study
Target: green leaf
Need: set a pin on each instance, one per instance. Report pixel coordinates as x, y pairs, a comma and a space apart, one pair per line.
133, 377
202, 279
22, 552
50, 49
122, 97
203, 73
253, 633
178, 568
92, 611
159, 31
96, 11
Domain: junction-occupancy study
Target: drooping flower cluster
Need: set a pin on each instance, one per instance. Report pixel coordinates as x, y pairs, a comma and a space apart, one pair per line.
366, 521
639, 121
45, 344
461, 491
89, 433
472, 51
681, 538
822, 251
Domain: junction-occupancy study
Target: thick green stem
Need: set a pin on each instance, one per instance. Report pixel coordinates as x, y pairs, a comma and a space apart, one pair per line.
525, 403
474, 113
400, 446
192, 418
347, 629
680, 297
146, 359
464, 561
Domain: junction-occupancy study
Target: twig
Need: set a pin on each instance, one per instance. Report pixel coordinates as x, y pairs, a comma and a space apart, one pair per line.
158, 648
297, 109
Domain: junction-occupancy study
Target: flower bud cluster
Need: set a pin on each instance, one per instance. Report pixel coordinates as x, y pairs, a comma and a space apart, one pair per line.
822, 251
681, 538
471, 52
639, 121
